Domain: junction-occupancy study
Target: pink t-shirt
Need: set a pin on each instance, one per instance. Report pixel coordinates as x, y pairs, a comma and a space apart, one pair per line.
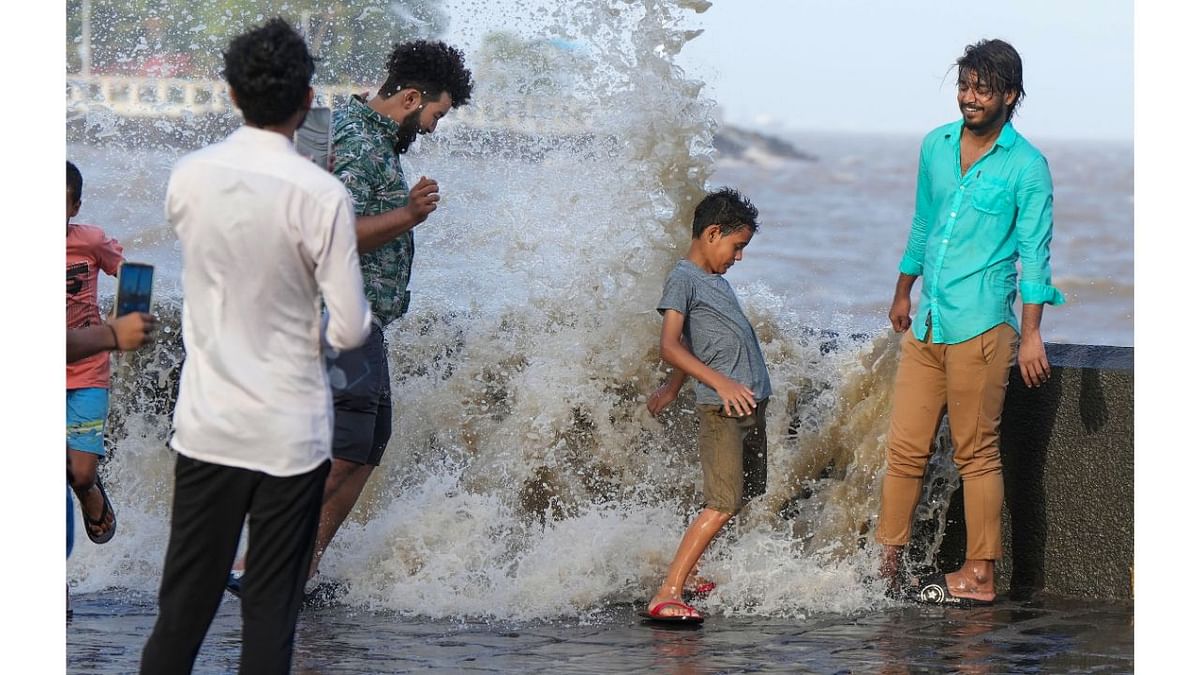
89, 250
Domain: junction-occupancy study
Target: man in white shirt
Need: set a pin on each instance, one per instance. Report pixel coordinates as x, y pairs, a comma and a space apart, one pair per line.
265, 236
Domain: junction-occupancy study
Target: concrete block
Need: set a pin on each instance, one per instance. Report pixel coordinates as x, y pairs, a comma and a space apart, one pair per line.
1067, 448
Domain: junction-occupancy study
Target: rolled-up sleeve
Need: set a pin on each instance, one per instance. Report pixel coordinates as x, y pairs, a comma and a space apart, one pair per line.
340, 278
913, 261
1035, 228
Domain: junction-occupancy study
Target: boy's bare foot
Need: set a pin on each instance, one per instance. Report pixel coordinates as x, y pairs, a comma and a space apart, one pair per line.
674, 607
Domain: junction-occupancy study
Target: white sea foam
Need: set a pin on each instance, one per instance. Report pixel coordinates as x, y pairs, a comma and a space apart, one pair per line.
525, 479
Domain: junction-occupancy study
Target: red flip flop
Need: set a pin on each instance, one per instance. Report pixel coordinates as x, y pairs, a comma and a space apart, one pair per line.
700, 591
655, 613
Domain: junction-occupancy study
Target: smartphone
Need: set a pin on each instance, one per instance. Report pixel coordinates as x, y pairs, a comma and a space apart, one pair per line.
313, 137
134, 283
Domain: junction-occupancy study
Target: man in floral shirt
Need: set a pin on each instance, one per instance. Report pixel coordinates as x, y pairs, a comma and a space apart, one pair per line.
425, 81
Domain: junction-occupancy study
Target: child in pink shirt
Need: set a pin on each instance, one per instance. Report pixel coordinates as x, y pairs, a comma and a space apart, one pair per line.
89, 250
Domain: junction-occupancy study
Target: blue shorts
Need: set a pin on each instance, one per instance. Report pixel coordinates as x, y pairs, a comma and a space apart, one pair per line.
362, 401
87, 409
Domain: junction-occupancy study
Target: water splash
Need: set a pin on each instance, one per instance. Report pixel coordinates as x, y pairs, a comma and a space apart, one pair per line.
525, 478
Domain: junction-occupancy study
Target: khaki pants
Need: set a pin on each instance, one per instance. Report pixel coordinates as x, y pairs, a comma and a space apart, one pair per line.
967, 381
733, 456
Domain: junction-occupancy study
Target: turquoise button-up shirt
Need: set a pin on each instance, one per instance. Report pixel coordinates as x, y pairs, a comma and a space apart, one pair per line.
968, 232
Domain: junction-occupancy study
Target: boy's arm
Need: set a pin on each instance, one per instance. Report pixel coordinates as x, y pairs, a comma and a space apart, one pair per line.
666, 394
110, 254
124, 333
738, 399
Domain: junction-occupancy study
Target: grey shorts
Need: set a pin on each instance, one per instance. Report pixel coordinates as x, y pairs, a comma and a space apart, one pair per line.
733, 456
362, 401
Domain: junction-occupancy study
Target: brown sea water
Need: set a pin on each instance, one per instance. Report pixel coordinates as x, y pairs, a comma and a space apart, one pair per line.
526, 491
834, 230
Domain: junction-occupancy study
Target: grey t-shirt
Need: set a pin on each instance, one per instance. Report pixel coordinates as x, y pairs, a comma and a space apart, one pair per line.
716, 328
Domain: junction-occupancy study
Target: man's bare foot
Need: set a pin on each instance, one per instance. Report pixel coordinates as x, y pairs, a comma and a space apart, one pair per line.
974, 580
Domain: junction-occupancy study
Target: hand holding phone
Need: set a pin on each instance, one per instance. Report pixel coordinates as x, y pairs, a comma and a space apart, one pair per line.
134, 284
133, 330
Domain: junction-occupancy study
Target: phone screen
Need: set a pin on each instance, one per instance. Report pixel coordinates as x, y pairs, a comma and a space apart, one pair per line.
134, 284
312, 138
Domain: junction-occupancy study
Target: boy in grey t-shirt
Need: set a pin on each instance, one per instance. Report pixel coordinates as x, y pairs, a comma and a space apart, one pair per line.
706, 335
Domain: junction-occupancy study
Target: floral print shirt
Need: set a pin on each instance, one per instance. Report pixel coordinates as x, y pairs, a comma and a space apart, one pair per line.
367, 163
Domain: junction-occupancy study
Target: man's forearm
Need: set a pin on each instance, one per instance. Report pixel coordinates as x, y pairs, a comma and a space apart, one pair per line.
1031, 320
904, 285
375, 231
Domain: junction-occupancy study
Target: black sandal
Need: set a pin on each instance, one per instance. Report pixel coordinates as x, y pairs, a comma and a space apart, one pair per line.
89, 522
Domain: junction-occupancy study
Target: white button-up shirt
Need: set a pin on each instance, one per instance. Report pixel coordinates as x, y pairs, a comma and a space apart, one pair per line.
265, 235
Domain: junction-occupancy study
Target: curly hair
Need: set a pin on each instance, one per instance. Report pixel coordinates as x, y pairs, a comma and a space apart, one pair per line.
997, 65
431, 68
269, 70
74, 181
728, 209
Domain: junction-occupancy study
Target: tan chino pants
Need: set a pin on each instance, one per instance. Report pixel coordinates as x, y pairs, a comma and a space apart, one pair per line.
968, 381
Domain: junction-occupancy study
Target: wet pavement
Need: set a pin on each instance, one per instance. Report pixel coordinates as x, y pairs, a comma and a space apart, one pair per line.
1051, 635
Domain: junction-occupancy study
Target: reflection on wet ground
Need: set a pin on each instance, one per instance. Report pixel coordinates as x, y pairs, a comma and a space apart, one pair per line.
1045, 635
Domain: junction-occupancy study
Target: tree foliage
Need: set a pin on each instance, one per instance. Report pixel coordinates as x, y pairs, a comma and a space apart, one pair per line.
184, 38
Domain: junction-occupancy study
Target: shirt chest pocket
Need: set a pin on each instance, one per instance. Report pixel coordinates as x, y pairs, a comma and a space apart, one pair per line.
993, 198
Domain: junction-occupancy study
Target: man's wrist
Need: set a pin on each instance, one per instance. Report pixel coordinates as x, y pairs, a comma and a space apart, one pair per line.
116, 344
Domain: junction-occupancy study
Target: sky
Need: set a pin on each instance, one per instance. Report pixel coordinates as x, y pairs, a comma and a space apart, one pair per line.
881, 65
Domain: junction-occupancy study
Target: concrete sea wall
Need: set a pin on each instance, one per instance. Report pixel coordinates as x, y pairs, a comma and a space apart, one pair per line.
1067, 449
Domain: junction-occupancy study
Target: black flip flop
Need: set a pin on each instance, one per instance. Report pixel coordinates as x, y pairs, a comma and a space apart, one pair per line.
934, 591
89, 523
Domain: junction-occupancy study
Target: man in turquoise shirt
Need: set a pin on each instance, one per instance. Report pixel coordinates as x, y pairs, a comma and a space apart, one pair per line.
984, 201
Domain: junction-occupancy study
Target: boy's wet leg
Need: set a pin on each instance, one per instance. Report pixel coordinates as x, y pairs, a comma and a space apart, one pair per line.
695, 540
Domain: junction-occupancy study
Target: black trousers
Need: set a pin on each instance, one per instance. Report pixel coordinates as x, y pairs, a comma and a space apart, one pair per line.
210, 506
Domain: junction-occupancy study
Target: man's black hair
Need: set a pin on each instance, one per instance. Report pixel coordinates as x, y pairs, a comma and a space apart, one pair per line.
269, 70
431, 68
997, 65
728, 209
74, 181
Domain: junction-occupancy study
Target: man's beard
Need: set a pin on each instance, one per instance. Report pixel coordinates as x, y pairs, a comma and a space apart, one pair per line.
995, 119
410, 126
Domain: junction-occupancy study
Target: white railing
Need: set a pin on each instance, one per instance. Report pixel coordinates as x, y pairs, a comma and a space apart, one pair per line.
129, 96
157, 97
